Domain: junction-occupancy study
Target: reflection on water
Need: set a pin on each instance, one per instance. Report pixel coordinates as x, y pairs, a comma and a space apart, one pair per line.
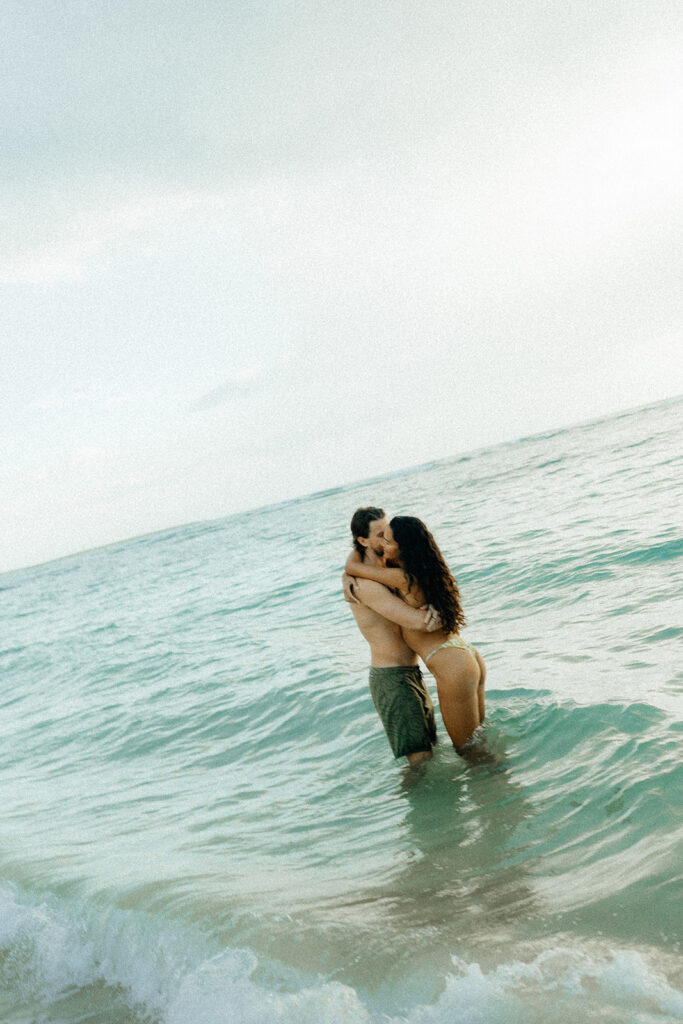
464, 821
461, 885
456, 884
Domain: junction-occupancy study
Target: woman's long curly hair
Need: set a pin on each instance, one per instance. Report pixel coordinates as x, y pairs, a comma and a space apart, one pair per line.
424, 565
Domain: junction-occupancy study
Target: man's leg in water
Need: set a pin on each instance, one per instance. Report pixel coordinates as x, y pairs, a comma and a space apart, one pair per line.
420, 757
406, 711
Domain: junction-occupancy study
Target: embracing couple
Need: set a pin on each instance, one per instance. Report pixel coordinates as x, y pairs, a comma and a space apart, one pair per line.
406, 603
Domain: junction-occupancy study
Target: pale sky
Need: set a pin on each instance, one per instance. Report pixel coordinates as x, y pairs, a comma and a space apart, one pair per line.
253, 250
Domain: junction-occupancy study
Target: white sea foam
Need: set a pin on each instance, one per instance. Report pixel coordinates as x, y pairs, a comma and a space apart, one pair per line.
46, 951
607, 985
42, 952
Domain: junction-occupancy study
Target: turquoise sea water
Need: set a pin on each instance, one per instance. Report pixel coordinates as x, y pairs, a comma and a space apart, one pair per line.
202, 821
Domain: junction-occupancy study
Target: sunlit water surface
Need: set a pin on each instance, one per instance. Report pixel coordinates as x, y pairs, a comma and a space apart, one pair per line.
202, 819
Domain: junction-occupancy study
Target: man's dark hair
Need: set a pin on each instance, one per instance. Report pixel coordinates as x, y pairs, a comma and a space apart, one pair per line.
360, 525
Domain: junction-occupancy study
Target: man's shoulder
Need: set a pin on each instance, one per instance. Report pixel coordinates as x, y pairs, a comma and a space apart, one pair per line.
368, 587
375, 597
370, 597
371, 610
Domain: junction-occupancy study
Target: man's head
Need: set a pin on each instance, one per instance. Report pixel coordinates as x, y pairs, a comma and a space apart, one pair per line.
367, 528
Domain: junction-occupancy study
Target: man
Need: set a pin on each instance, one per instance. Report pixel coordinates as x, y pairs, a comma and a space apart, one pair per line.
396, 684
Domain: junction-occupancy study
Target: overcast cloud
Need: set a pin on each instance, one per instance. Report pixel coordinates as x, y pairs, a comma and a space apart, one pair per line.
250, 251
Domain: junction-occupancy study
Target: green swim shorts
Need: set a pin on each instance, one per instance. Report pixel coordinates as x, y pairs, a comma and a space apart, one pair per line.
405, 707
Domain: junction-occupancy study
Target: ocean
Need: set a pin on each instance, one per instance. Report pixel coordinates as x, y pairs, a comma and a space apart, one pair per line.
202, 821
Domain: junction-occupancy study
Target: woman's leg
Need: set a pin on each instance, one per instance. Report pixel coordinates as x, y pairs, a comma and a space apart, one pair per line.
481, 699
457, 675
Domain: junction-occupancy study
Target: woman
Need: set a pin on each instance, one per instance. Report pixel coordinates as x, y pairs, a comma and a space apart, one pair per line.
422, 578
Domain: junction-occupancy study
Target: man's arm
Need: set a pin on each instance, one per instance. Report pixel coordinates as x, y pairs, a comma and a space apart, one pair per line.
382, 601
394, 578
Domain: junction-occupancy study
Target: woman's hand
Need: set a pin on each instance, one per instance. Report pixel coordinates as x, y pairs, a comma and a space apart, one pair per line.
348, 583
432, 618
